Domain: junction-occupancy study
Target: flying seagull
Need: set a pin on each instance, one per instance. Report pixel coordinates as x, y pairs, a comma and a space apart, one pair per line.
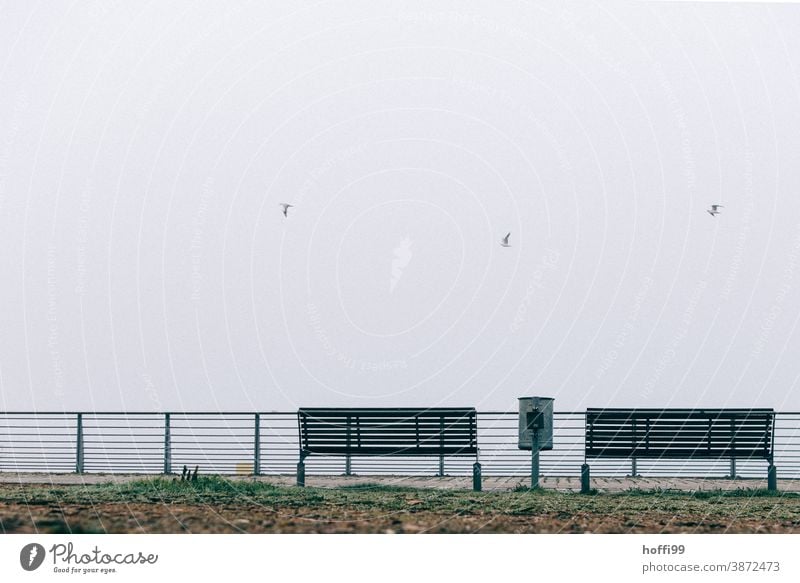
504, 241
286, 207
713, 210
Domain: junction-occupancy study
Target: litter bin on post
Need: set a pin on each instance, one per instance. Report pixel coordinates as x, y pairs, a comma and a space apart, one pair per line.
535, 430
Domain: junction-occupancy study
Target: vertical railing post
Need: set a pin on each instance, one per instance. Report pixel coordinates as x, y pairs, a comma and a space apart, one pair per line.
733, 449
257, 445
586, 482
79, 445
167, 446
441, 447
585, 472
347, 467
476, 476
634, 445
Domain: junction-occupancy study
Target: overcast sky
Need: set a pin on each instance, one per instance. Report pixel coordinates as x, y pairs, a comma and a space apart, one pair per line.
146, 264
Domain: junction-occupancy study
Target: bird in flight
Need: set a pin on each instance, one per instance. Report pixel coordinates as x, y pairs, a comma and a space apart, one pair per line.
286, 206
713, 210
504, 241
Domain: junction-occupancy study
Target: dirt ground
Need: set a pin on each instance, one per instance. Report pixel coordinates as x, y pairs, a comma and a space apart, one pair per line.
184, 518
229, 506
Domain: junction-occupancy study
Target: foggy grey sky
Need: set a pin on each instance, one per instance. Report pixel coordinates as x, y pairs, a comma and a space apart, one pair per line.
146, 264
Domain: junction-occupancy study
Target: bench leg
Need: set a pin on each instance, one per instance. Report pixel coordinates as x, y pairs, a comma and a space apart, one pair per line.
301, 474
772, 478
586, 485
476, 477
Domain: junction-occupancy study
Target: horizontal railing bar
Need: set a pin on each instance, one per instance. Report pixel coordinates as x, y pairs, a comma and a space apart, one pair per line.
484, 414
153, 413
223, 442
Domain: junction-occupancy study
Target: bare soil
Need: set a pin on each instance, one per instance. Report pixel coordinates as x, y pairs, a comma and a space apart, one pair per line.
221, 506
185, 518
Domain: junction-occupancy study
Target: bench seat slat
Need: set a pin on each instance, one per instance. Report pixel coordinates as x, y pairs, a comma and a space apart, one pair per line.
409, 443
395, 451
321, 430
699, 436
676, 453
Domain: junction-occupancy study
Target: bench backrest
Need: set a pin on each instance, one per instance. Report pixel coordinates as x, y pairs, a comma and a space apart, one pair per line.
679, 433
381, 431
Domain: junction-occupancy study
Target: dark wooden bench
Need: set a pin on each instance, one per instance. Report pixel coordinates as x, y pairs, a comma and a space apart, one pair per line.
389, 432
680, 433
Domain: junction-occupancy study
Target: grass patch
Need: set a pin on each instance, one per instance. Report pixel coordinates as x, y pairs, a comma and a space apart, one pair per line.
741, 493
218, 491
709, 494
63, 508
204, 484
372, 487
523, 488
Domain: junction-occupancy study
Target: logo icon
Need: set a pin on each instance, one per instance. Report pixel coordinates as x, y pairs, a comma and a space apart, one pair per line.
31, 556
402, 257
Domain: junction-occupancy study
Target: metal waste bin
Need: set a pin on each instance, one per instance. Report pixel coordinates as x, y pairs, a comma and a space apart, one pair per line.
536, 413
535, 427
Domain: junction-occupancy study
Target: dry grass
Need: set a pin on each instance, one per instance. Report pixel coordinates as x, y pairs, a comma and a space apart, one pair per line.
215, 504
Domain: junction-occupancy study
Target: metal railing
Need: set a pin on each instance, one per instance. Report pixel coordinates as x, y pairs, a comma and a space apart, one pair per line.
265, 443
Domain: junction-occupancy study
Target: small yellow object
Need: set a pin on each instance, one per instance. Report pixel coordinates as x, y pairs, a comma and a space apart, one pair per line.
244, 469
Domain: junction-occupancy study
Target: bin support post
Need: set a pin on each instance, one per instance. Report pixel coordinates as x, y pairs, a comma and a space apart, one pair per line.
257, 445
79, 445
586, 485
301, 471
733, 468
772, 478
535, 459
348, 470
634, 472
167, 446
441, 466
